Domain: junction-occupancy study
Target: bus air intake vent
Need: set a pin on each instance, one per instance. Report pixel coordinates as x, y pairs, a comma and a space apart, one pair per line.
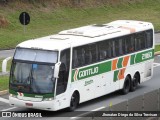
90, 31
99, 25
56, 38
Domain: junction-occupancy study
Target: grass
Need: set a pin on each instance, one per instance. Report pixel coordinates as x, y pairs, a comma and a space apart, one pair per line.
0, 65
157, 48
46, 21
4, 82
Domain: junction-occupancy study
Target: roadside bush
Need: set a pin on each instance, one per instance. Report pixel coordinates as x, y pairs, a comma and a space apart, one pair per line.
3, 21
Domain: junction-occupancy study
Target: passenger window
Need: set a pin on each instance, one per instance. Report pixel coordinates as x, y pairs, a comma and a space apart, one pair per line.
91, 53
88, 54
113, 48
149, 38
117, 47
84, 55
122, 43
75, 59
64, 72
78, 57
139, 41
105, 50
129, 41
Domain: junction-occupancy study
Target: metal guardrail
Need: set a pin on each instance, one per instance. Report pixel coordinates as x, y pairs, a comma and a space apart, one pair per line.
147, 102
4, 64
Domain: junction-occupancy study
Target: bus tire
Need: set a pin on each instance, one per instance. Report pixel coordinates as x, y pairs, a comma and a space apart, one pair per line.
134, 82
126, 86
74, 101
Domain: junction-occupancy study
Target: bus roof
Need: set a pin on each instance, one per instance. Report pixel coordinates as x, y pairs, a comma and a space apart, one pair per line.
86, 34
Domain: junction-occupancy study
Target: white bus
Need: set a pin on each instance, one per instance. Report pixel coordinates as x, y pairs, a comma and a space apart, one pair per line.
63, 70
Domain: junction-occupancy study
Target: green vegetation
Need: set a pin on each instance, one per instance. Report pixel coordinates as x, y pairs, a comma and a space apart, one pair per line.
4, 82
157, 48
47, 19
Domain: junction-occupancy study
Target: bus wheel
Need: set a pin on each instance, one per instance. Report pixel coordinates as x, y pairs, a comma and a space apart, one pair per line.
134, 82
74, 102
126, 86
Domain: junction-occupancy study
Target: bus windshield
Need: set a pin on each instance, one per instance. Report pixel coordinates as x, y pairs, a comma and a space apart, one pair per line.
44, 56
30, 75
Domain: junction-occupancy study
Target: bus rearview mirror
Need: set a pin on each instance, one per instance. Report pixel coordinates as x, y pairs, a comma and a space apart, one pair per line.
56, 69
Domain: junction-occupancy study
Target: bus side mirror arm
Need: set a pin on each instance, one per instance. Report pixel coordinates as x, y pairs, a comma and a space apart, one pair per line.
56, 69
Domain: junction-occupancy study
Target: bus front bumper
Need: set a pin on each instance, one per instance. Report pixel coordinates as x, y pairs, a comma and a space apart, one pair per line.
43, 105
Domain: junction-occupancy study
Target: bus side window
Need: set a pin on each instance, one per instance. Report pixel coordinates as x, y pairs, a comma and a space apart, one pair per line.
149, 38
94, 53
102, 50
142, 40
122, 42
117, 47
91, 54
105, 50
79, 56
137, 44
129, 41
113, 48
87, 55
132, 39
64, 71
139, 41
75, 58
109, 48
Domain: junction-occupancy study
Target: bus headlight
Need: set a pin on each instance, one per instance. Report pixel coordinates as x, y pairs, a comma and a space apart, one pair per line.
47, 99
11, 95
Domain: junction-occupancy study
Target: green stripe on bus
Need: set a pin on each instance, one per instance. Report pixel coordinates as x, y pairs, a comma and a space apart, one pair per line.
119, 65
48, 95
105, 67
143, 56
132, 59
91, 71
115, 75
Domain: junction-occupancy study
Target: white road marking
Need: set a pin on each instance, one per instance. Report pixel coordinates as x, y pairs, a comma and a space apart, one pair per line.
4, 100
79, 116
9, 109
74, 118
98, 109
156, 64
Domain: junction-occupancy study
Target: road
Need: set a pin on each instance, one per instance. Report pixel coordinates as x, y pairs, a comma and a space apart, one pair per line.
95, 104
8, 53
157, 38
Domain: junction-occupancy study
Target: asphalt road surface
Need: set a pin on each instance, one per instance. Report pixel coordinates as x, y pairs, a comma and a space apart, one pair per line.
157, 38
91, 105
6, 53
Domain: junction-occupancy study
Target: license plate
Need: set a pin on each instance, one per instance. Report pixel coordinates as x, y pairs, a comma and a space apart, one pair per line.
29, 104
